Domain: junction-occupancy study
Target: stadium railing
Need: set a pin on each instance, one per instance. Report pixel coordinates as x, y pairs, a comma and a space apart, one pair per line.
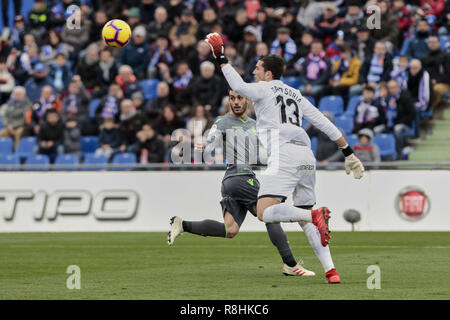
385, 165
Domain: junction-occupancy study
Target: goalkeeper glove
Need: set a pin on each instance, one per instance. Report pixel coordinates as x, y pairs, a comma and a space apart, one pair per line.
216, 43
352, 163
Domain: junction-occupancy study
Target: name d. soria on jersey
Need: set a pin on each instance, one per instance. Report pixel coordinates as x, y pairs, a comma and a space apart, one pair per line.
287, 92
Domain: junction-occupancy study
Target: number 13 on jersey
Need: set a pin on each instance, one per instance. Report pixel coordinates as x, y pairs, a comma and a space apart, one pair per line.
289, 110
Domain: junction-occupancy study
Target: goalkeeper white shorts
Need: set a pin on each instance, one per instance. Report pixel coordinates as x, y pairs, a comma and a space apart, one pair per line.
292, 172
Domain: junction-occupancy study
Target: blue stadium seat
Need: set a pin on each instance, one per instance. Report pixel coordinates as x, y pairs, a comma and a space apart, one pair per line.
93, 105
26, 147
386, 143
124, 158
352, 139
412, 132
67, 159
311, 99
294, 82
92, 158
345, 123
426, 114
37, 159
88, 144
9, 159
352, 104
6, 145
149, 88
332, 104
314, 145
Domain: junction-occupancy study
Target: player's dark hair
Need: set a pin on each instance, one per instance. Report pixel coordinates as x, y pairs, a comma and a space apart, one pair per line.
274, 64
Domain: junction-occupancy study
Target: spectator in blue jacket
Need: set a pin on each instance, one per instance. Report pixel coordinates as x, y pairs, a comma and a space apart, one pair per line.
283, 45
416, 47
400, 72
60, 72
137, 53
18, 32
375, 69
40, 79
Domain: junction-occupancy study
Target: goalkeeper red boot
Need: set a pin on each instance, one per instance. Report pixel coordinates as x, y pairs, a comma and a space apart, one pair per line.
320, 219
333, 277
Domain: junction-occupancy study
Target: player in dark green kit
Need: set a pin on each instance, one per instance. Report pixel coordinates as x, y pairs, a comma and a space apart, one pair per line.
237, 132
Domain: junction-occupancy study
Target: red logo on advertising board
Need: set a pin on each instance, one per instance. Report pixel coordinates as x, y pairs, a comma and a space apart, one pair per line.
412, 203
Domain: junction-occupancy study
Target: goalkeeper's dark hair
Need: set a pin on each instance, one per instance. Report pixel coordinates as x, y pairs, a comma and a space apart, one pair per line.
274, 64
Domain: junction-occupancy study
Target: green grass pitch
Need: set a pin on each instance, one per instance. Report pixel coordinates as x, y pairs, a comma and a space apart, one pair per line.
413, 265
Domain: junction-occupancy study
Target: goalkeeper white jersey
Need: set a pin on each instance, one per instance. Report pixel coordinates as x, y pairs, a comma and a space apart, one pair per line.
279, 106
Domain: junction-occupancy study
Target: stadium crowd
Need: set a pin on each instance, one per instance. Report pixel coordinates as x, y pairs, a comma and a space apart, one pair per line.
61, 84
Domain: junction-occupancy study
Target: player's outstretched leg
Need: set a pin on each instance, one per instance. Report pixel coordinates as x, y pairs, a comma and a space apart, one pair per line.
280, 240
323, 253
204, 228
284, 212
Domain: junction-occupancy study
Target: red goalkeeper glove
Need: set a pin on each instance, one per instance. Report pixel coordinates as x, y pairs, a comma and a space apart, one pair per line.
215, 42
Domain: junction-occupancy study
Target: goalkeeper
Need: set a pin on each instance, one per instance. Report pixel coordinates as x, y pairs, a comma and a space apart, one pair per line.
291, 167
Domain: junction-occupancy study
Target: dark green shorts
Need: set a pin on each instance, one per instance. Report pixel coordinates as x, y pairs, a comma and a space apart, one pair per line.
239, 195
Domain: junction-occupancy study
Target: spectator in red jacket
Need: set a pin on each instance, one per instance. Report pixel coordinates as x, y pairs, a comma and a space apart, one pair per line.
404, 18
327, 24
127, 81
431, 7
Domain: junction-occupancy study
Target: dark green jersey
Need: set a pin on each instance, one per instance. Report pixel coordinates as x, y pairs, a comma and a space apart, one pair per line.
239, 140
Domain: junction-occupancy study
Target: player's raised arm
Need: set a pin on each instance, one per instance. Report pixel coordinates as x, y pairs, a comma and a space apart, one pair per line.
251, 90
317, 119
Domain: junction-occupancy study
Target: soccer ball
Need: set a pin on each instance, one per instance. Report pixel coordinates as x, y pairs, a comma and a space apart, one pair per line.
116, 33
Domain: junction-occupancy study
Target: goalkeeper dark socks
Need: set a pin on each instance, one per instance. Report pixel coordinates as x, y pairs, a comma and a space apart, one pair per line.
279, 239
206, 228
